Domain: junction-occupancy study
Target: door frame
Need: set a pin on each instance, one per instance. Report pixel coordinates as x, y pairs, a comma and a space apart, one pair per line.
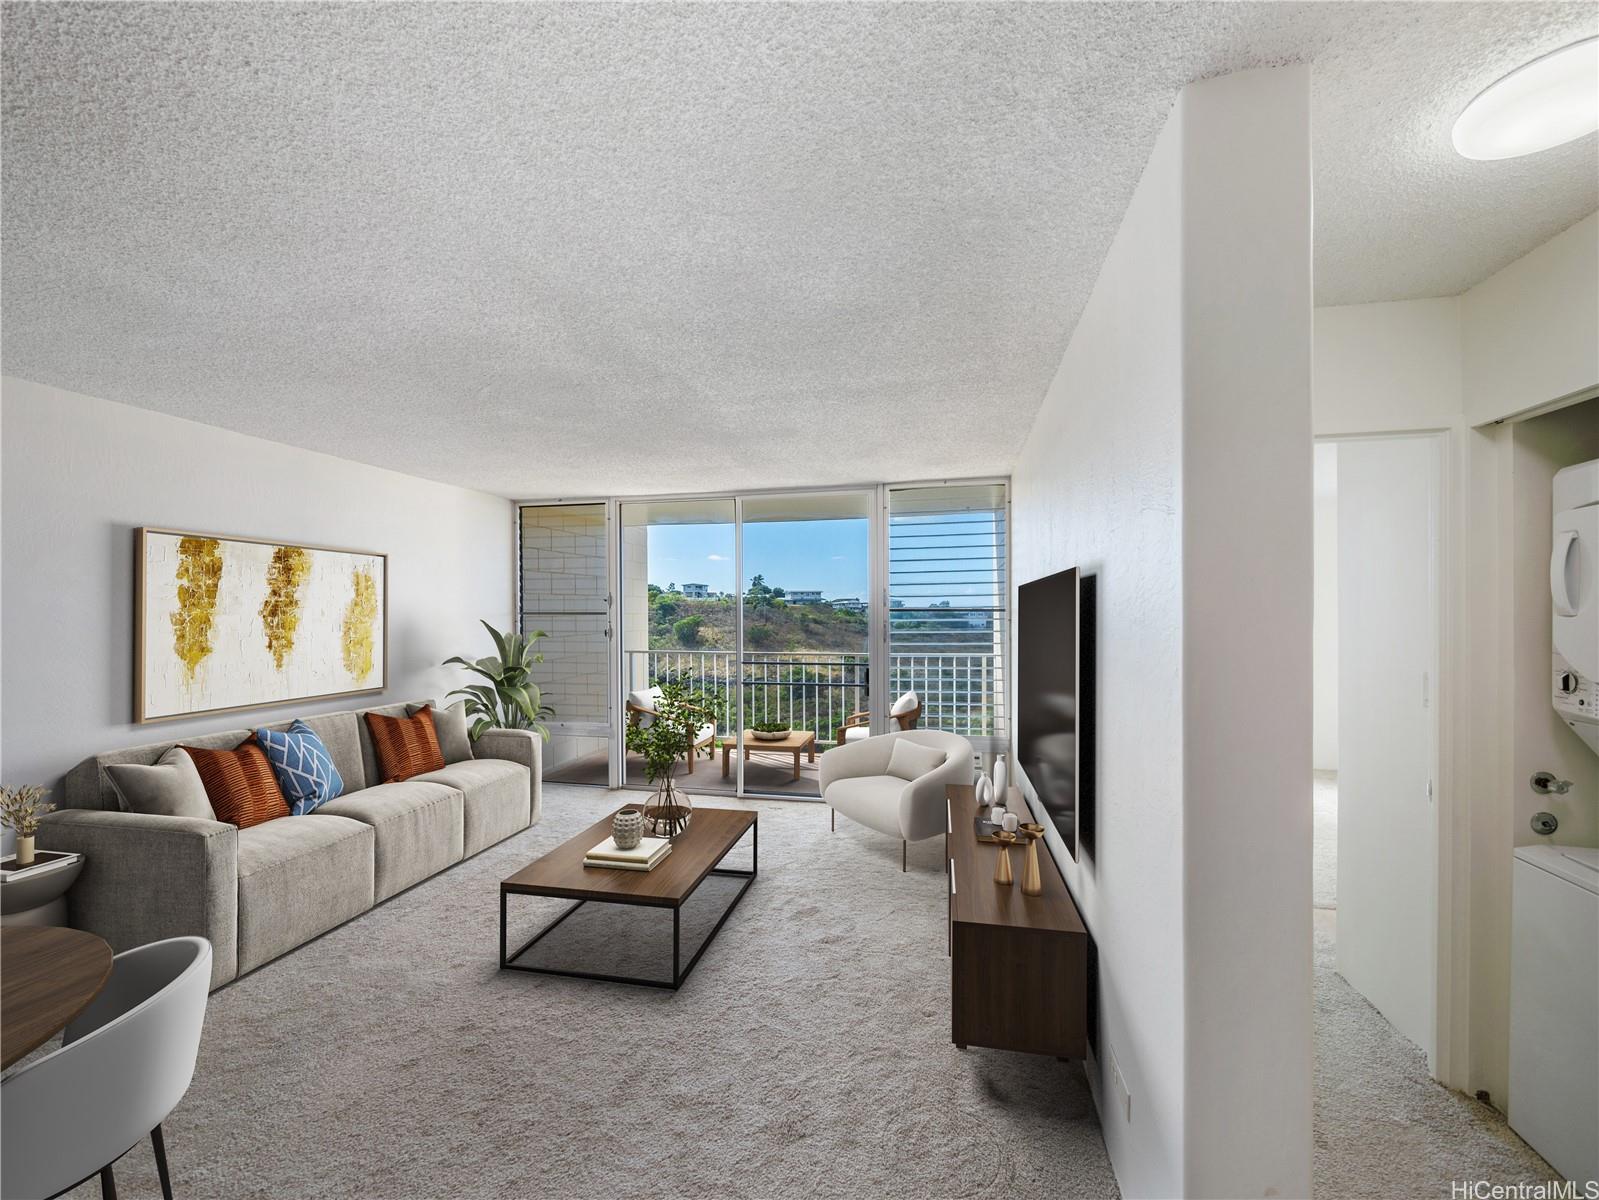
1450, 815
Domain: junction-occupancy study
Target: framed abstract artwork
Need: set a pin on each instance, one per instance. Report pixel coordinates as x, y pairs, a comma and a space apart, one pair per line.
228, 622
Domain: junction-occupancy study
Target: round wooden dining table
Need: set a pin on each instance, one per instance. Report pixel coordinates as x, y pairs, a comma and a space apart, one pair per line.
48, 976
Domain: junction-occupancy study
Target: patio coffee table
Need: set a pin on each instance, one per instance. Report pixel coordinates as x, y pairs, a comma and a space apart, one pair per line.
798, 741
697, 852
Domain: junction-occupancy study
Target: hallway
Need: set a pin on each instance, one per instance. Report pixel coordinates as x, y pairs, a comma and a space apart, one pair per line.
1383, 1125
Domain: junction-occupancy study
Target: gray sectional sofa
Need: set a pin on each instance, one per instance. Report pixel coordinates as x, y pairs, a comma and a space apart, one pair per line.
259, 892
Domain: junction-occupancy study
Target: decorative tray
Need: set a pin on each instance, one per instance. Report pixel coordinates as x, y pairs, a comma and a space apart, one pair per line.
986, 830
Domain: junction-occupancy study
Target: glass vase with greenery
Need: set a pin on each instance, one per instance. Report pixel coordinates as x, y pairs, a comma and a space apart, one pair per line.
661, 739
510, 699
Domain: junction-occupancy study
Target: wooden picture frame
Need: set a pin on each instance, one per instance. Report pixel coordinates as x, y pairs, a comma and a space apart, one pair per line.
224, 623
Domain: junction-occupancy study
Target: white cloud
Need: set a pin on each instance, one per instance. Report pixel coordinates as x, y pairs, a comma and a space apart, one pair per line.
716, 557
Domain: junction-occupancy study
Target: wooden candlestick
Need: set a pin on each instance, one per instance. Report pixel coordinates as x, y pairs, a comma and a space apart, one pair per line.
1032, 877
1002, 872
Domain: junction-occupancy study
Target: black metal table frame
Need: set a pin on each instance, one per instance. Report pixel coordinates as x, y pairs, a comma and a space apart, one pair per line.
679, 973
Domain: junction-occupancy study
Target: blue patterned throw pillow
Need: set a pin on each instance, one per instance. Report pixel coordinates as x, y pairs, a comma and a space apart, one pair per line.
303, 766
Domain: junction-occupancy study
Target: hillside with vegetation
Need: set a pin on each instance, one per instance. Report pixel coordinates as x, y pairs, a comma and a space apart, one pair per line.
678, 622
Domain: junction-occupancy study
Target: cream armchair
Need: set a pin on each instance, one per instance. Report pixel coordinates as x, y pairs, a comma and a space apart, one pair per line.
856, 781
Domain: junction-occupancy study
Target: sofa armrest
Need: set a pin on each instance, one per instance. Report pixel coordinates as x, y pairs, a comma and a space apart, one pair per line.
146, 878
519, 746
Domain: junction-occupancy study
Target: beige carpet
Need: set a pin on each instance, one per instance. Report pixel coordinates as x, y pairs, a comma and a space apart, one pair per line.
1383, 1126
808, 1054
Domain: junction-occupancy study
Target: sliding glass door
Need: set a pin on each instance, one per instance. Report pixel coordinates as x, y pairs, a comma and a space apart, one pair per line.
680, 625
804, 669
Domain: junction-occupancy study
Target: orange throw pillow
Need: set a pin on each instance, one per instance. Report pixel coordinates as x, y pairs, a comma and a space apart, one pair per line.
405, 746
240, 783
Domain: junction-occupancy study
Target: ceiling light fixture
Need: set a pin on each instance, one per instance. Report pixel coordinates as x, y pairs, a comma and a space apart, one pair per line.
1548, 102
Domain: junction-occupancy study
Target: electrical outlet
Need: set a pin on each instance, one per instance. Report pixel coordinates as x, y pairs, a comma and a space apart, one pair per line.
1118, 1085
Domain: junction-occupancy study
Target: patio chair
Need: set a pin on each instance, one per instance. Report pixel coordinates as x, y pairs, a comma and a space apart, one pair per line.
643, 706
907, 710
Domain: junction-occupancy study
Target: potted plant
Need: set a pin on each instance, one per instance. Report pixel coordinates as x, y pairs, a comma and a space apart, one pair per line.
510, 699
765, 729
660, 741
20, 810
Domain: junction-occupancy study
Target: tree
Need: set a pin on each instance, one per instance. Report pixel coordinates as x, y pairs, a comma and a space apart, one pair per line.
687, 631
671, 587
758, 594
654, 590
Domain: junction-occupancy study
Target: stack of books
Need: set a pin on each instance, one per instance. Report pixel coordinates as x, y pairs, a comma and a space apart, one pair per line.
644, 857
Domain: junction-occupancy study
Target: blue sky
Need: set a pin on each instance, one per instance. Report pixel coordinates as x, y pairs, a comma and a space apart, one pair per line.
827, 555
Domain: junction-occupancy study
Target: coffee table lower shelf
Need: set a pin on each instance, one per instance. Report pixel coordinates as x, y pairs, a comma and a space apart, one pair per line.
680, 972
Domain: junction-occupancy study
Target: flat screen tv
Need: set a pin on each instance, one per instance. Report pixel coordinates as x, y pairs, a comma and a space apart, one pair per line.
1055, 703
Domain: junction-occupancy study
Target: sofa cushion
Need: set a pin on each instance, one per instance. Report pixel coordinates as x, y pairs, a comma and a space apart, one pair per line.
449, 723
497, 798
170, 788
418, 827
369, 754
905, 704
299, 878
303, 766
240, 783
405, 746
341, 736
911, 761
873, 800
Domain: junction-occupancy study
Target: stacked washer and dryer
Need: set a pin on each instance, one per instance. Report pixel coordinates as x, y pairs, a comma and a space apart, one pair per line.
1554, 957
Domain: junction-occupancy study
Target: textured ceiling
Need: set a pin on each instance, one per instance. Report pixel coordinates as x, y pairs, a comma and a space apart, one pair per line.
557, 250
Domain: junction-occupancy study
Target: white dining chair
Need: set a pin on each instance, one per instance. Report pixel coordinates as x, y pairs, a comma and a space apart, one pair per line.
123, 1065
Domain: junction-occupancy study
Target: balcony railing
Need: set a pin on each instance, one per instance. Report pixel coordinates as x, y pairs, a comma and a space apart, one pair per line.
962, 693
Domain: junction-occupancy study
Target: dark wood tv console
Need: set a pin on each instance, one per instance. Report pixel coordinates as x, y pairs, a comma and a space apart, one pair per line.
1018, 964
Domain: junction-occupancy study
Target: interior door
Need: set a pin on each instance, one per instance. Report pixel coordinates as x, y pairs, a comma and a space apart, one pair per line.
1387, 720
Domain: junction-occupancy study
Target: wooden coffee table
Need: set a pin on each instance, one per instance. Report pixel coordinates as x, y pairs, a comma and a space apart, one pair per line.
798, 741
697, 852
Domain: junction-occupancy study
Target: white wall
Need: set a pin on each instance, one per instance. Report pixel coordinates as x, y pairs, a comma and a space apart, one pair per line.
1530, 333
80, 474
1324, 635
1384, 367
1194, 346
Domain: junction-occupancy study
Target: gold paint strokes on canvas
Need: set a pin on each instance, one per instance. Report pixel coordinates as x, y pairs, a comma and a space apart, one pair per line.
280, 611
359, 616
199, 575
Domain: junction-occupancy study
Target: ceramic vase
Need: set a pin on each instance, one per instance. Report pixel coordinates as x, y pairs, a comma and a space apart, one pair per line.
627, 827
985, 791
1001, 779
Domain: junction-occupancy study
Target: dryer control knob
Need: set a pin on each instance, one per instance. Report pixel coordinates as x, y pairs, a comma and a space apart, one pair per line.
1568, 682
